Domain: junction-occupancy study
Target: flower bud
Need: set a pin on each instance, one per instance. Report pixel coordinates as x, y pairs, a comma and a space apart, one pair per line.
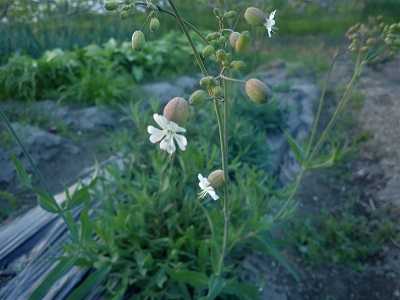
233, 37
243, 42
216, 178
154, 24
212, 36
255, 16
138, 40
221, 55
207, 82
238, 65
111, 5
217, 92
230, 14
208, 51
198, 97
217, 12
177, 110
257, 91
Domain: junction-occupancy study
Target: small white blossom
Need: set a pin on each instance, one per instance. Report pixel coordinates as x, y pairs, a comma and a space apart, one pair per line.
206, 188
167, 135
270, 23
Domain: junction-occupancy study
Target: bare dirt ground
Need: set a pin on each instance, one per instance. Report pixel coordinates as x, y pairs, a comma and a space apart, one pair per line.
364, 187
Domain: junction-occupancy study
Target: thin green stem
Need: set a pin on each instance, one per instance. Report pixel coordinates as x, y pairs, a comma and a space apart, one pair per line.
226, 78
320, 106
35, 170
313, 150
342, 103
185, 31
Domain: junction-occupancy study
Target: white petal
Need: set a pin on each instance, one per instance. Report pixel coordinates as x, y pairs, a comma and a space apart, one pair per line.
168, 144
156, 134
161, 121
200, 177
175, 127
213, 194
181, 141
272, 15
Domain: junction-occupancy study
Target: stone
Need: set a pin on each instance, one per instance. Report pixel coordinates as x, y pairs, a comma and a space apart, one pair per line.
163, 91
92, 119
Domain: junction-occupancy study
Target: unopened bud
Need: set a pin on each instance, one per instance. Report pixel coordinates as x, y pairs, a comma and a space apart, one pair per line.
243, 42
230, 14
177, 110
154, 24
254, 16
111, 5
198, 97
138, 40
221, 55
233, 37
257, 91
208, 51
207, 82
212, 36
238, 65
217, 92
216, 178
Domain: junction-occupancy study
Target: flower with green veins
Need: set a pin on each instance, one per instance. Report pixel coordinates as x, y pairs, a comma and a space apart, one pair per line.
206, 188
167, 135
270, 23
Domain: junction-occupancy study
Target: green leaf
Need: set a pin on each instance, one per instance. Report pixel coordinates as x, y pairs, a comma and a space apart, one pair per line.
267, 246
59, 270
48, 202
86, 226
90, 283
195, 279
296, 149
23, 176
329, 162
215, 286
78, 197
242, 290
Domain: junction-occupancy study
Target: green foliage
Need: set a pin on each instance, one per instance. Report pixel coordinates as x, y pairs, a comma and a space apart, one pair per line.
150, 236
93, 74
344, 238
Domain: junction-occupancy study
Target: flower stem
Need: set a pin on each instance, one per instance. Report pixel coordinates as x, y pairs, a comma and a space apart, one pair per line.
313, 150
35, 170
185, 31
222, 129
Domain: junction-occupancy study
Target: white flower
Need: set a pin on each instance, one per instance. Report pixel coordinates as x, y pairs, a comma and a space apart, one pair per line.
270, 23
167, 135
206, 188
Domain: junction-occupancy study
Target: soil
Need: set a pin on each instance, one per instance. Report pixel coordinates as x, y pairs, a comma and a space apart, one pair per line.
370, 181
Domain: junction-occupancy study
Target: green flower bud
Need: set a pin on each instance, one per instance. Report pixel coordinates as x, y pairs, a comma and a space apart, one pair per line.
230, 14
233, 37
255, 16
138, 40
208, 51
154, 24
238, 65
217, 12
207, 82
221, 55
124, 14
177, 110
216, 178
212, 36
198, 97
217, 92
111, 5
221, 40
257, 91
243, 42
